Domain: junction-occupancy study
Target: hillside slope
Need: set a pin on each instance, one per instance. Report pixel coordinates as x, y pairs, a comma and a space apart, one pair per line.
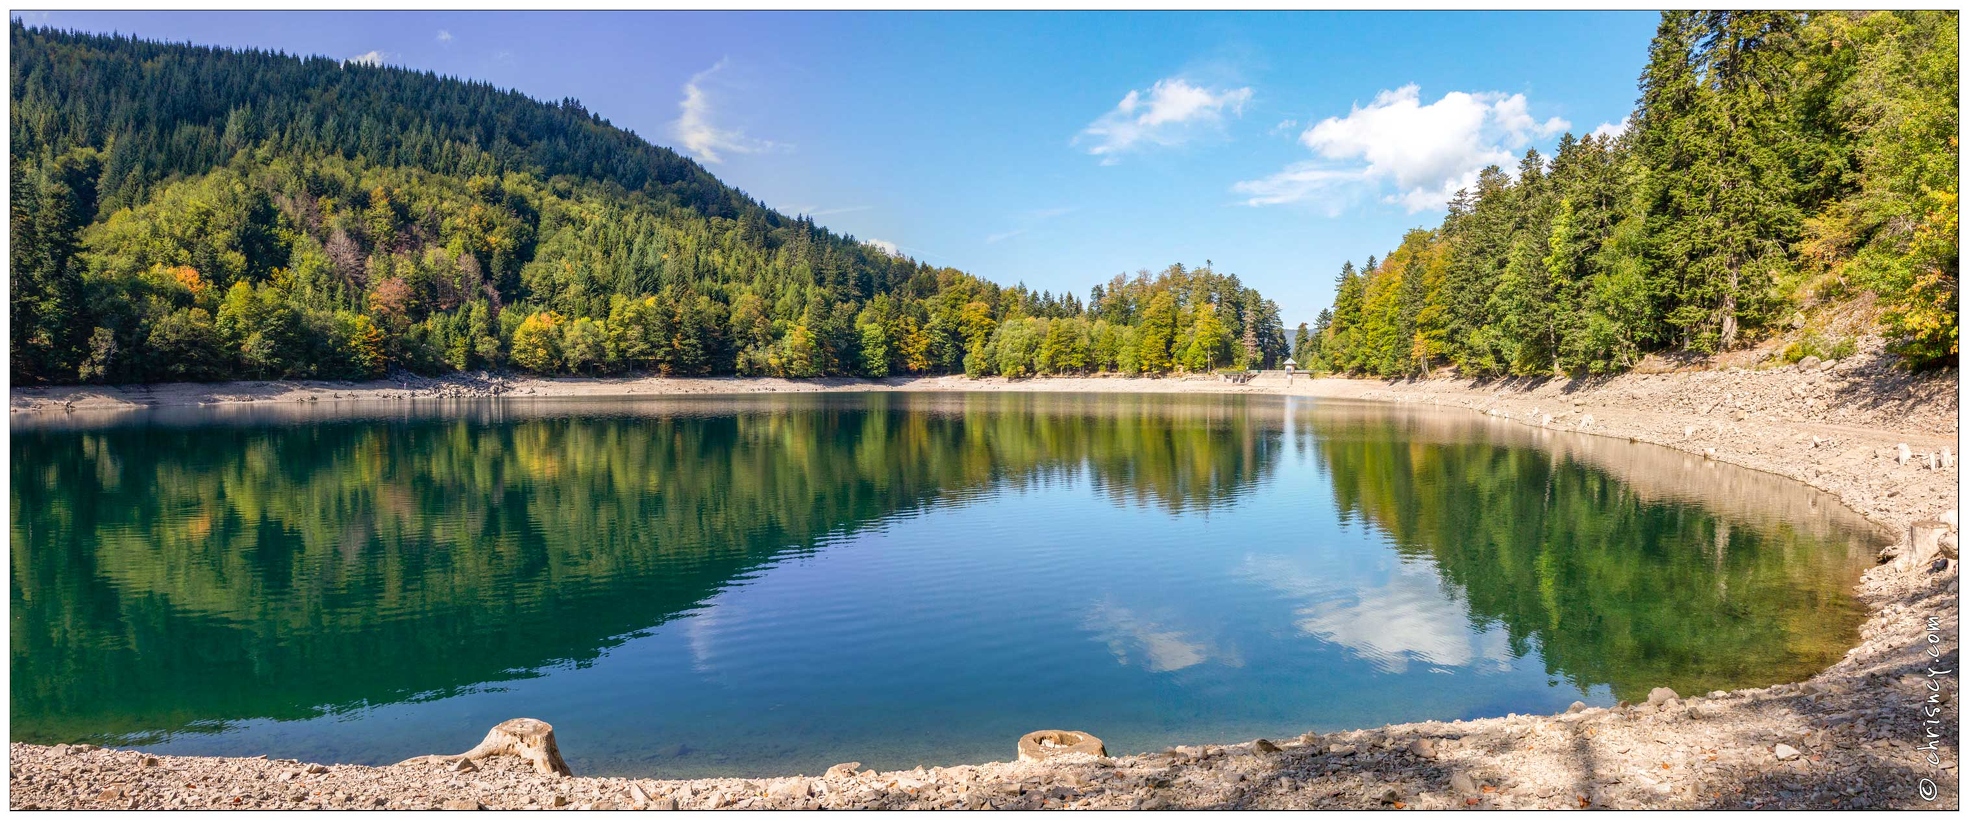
190, 213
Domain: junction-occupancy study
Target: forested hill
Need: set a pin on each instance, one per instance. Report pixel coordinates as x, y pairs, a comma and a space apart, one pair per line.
190, 213
1786, 176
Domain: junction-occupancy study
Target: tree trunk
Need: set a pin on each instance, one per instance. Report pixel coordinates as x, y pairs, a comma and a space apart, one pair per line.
527, 738
1729, 339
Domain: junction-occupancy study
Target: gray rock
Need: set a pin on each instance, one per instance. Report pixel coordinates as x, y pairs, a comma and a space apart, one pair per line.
1576, 707
1423, 748
846, 769
793, 789
1263, 746
1785, 752
1661, 694
1464, 785
1810, 363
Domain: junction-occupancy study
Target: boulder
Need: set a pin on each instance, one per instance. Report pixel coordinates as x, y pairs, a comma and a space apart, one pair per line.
1659, 695
1423, 748
788, 791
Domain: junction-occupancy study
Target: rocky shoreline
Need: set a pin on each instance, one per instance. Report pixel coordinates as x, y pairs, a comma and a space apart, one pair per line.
1875, 730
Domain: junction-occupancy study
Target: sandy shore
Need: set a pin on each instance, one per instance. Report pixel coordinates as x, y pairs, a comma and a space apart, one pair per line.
1856, 735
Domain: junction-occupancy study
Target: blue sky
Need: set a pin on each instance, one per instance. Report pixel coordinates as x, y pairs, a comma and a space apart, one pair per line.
1057, 149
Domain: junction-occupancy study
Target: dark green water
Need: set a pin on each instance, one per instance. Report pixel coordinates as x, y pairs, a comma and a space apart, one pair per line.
775, 584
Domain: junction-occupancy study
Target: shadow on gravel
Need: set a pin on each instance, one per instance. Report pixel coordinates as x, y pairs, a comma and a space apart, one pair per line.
1807, 786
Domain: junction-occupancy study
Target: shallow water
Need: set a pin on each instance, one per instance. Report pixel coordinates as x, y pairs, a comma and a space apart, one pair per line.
770, 585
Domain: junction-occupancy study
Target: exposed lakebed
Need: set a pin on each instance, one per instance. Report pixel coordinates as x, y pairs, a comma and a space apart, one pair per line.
767, 585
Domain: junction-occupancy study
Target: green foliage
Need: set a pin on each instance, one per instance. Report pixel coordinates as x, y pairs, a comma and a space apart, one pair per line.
1774, 158
339, 221
1812, 344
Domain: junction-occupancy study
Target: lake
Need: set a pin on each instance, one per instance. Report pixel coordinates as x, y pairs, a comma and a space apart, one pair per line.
773, 584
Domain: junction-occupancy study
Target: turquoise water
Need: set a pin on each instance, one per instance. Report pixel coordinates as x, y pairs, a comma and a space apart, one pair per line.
770, 585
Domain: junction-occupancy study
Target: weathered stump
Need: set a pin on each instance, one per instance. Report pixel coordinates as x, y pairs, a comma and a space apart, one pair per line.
527, 738
1925, 542
1045, 744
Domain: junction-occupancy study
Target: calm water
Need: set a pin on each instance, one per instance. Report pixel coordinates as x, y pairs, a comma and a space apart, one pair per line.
776, 584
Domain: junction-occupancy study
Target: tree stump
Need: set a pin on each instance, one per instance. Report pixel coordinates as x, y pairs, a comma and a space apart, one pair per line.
1046, 744
1925, 542
527, 738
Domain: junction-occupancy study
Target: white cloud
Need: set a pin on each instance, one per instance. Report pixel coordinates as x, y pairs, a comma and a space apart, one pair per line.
1607, 130
444, 36
699, 135
1147, 643
1299, 181
1166, 115
1425, 152
883, 245
1004, 235
1410, 617
372, 58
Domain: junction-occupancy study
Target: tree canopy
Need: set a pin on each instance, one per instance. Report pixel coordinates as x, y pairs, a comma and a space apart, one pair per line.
191, 213
1775, 162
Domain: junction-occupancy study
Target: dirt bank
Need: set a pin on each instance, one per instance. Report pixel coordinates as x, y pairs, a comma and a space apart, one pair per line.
1856, 735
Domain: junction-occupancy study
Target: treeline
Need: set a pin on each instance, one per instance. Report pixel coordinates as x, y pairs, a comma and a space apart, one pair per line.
185, 213
1776, 162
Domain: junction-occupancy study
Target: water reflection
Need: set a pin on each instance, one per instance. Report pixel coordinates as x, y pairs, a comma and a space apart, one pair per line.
800, 579
197, 566
1627, 565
